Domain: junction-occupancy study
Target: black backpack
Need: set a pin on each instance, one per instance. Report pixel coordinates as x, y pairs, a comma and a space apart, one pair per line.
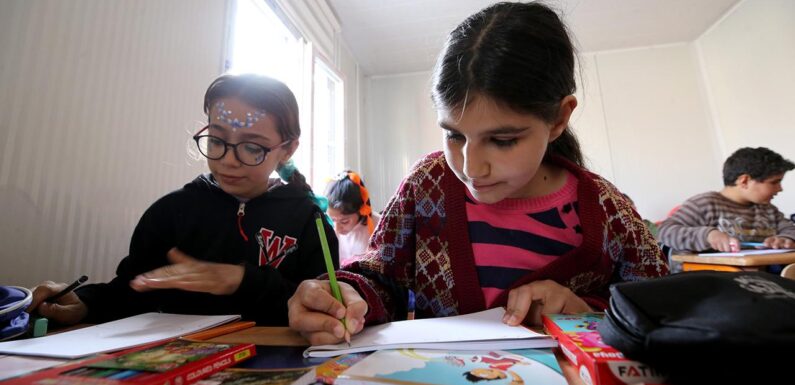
707, 326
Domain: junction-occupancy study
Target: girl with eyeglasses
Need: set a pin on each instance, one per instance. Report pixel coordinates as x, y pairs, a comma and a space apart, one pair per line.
350, 209
233, 241
506, 215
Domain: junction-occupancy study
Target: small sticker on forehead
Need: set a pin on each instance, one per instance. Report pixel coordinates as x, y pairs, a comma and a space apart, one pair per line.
225, 116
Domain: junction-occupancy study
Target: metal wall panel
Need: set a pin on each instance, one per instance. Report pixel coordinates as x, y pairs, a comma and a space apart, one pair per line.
98, 100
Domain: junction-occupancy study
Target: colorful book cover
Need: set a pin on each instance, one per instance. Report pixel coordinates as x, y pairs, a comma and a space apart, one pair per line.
175, 362
328, 371
437, 367
596, 362
304, 376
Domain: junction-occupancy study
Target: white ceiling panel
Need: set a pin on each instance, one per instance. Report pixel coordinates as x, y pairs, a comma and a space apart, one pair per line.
399, 36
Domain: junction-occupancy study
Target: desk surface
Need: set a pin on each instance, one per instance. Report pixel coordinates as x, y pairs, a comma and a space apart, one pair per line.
750, 260
283, 336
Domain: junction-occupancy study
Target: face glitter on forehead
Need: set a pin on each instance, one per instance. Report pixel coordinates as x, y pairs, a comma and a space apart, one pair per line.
225, 116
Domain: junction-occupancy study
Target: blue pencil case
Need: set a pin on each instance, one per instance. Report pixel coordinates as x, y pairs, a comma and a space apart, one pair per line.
13, 318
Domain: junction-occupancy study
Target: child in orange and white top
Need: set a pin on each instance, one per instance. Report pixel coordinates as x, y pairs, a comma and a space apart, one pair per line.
349, 207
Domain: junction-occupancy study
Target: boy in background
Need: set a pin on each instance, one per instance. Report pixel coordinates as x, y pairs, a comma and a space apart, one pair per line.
740, 212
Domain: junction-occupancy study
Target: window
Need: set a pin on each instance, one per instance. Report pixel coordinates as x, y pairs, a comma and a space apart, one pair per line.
262, 43
329, 137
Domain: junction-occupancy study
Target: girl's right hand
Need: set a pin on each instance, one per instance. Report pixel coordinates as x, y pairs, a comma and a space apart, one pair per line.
316, 314
66, 310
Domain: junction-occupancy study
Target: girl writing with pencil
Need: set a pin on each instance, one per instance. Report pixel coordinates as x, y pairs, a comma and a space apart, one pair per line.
233, 241
506, 215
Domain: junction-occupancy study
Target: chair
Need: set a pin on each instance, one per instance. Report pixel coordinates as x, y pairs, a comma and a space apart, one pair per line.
788, 271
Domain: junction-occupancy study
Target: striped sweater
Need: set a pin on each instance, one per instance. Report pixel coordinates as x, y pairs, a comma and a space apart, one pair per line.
517, 236
687, 229
423, 243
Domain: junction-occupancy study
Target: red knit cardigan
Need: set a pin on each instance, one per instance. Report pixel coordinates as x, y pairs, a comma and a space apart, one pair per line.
422, 243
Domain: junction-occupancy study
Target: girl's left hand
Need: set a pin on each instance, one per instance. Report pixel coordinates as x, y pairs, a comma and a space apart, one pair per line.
190, 274
528, 302
776, 242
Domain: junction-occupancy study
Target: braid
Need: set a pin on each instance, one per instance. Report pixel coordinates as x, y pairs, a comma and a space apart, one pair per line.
366, 210
299, 180
289, 173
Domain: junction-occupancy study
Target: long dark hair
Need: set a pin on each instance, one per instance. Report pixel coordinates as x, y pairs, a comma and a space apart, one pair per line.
518, 54
266, 94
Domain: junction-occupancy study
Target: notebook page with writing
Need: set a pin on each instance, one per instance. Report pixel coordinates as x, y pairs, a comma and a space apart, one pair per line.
482, 330
115, 335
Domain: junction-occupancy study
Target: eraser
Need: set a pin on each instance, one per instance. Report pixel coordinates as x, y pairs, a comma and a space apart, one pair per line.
40, 327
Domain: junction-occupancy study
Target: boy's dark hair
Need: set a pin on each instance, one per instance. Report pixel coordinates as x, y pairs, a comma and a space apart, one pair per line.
344, 195
266, 94
759, 163
519, 55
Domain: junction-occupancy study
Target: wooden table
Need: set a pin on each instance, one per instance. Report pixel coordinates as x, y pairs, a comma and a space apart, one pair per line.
283, 336
692, 262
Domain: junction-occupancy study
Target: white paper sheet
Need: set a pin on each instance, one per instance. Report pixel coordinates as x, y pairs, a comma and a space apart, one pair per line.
482, 330
745, 253
116, 335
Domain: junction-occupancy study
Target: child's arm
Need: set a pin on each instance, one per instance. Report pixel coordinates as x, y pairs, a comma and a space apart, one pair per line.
384, 272
687, 228
640, 257
785, 228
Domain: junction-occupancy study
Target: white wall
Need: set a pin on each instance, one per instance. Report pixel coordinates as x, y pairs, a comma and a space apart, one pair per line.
657, 123
353, 80
97, 103
399, 126
748, 66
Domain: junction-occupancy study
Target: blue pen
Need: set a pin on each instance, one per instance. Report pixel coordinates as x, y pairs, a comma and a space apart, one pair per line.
410, 313
752, 244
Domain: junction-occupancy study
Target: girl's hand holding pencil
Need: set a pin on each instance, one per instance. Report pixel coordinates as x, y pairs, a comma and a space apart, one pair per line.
58, 302
316, 314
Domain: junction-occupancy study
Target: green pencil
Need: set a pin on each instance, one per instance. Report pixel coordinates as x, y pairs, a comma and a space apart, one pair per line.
335, 287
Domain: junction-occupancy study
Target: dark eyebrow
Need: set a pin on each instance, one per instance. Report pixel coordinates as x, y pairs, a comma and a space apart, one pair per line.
494, 131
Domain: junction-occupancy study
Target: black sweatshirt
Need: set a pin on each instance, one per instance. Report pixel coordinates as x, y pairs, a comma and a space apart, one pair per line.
201, 220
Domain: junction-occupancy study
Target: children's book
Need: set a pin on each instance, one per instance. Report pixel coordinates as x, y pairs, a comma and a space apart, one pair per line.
174, 362
475, 331
437, 367
328, 371
303, 376
596, 362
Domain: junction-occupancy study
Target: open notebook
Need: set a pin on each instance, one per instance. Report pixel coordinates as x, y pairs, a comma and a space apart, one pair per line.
120, 334
476, 331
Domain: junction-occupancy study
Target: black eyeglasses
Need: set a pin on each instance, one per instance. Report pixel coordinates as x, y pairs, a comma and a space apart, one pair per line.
248, 153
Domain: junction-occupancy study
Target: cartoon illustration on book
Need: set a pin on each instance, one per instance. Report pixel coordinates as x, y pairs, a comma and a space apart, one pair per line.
515, 367
164, 357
